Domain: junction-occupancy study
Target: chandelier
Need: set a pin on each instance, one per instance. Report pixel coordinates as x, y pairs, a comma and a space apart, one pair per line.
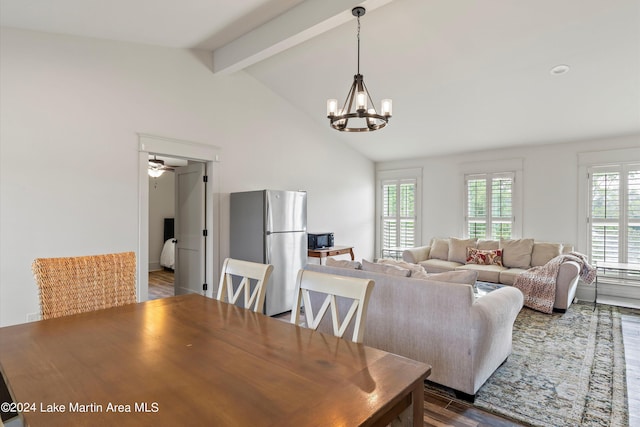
358, 104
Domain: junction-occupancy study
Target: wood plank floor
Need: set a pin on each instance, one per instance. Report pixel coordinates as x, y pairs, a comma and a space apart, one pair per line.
161, 284
443, 412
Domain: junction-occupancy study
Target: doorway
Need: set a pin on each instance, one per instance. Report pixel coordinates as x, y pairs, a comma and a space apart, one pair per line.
162, 205
186, 151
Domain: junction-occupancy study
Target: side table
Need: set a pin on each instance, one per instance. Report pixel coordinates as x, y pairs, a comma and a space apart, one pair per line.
323, 253
627, 272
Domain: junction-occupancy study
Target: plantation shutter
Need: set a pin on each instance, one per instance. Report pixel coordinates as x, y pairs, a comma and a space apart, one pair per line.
633, 215
489, 205
501, 206
399, 213
605, 216
477, 207
615, 213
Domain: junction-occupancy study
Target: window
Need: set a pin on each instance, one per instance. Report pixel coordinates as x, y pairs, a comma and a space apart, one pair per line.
399, 211
614, 213
489, 205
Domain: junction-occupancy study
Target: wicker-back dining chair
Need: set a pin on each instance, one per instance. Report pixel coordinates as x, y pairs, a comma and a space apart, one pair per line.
79, 284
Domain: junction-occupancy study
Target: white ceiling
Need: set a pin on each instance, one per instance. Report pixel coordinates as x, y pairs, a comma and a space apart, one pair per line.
463, 75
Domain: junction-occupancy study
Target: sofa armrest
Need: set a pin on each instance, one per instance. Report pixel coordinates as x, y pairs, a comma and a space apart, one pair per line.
566, 284
498, 306
492, 317
415, 255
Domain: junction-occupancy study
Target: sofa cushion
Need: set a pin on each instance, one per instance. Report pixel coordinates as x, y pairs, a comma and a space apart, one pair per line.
438, 265
417, 271
465, 277
439, 249
516, 253
458, 249
392, 270
490, 257
343, 263
486, 273
544, 252
508, 277
488, 245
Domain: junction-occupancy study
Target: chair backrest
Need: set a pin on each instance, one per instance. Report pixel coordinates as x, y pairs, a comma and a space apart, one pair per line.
79, 284
356, 289
248, 271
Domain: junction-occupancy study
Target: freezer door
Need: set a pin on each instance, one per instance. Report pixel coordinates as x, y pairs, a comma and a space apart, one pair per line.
286, 211
287, 252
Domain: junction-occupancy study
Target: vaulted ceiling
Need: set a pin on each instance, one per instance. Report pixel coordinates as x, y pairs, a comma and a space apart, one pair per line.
463, 75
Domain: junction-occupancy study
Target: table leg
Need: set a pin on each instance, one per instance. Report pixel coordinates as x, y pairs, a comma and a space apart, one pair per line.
413, 416
595, 299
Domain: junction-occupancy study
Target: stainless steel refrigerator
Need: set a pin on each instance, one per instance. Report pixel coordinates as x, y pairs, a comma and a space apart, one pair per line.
270, 226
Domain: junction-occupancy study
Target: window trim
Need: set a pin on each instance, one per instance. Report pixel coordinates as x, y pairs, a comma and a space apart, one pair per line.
587, 160
622, 222
489, 217
513, 165
398, 175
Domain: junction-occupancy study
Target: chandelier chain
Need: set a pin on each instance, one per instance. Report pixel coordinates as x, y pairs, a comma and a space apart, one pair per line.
358, 44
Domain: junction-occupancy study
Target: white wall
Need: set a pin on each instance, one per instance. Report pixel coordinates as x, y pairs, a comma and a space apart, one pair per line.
162, 195
549, 187
71, 109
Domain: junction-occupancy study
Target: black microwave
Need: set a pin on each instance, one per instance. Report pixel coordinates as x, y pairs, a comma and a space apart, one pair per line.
319, 240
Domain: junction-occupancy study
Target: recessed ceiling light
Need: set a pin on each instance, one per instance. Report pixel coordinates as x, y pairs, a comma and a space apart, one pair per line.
559, 69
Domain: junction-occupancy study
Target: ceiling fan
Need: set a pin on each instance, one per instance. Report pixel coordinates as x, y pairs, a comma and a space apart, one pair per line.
157, 167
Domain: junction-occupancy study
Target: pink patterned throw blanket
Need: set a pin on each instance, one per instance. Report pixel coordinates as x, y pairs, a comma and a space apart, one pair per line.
538, 284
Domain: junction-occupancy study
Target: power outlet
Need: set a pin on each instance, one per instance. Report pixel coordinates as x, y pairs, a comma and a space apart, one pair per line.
33, 317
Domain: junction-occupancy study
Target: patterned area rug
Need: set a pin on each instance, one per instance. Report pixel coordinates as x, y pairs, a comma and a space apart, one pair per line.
565, 370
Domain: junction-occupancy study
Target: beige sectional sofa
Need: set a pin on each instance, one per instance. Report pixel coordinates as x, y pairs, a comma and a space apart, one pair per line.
517, 256
464, 338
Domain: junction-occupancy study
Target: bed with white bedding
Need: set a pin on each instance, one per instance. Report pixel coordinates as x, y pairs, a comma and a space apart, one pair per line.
168, 254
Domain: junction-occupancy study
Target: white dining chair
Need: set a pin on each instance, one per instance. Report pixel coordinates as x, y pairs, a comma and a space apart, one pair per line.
251, 274
331, 286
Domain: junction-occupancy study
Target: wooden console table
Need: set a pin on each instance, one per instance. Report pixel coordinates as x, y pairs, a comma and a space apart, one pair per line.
332, 251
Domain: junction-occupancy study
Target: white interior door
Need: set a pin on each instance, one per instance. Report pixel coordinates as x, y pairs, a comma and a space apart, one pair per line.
189, 229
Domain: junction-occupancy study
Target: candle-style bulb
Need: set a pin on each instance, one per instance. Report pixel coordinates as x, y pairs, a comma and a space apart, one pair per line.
387, 107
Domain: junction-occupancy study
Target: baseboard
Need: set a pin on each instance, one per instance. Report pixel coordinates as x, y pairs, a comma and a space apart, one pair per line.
585, 292
154, 266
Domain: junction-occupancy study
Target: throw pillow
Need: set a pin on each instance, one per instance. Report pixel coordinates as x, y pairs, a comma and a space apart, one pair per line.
343, 263
516, 253
544, 252
467, 277
391, 270
458, 249
439, 249
488, 245
490, 257
417, 271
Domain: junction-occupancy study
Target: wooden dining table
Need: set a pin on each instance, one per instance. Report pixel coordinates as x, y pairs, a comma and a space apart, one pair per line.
193, 360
